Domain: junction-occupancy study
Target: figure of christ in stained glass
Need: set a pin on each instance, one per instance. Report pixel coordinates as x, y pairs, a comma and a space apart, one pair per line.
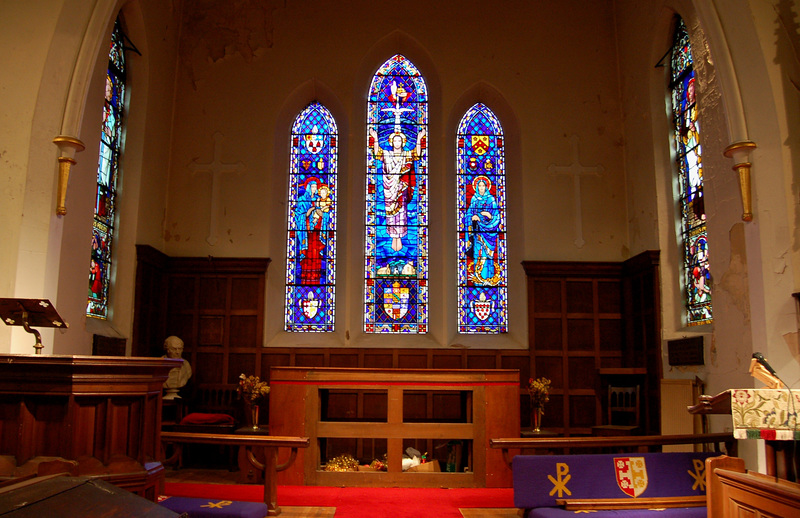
107, 173
311, 238
697, 276
396, 271
482, 253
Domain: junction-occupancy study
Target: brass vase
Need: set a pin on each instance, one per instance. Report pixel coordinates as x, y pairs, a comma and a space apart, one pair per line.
536, 419
254, 416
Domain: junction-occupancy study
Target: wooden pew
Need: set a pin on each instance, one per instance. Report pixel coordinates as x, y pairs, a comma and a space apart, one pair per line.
733, 491
269, 444
640, 443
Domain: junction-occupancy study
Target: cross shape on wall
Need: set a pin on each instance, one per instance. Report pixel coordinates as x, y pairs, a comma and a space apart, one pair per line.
576, 170
216, 168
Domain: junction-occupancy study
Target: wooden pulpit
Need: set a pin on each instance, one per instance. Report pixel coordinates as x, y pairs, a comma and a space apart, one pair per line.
102, 412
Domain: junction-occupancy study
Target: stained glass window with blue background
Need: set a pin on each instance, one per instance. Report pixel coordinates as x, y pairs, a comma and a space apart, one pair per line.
481, 223
311, 239
107, 173
396, 244
697, 275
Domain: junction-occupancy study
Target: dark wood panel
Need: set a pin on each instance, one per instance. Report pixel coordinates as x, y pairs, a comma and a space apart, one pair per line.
208, 369
579, 297
581, 335
482, 361
546, 296
245, 293
382, 360
182, 292
349, 359
412, 360
310, 360
588, 316
244, 331
447, 361
211, 330
238, 364
213, 293
415, 406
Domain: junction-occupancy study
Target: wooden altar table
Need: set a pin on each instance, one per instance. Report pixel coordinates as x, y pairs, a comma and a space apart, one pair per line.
488, 402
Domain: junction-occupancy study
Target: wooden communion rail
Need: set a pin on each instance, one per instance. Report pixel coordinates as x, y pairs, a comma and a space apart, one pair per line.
268, 444
640, 443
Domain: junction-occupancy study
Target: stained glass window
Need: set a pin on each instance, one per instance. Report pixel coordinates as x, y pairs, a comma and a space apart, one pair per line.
697, 276
481, 223
396, 251
311, 239
107, 174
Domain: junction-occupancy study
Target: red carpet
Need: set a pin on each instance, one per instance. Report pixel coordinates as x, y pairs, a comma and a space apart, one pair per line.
359, 501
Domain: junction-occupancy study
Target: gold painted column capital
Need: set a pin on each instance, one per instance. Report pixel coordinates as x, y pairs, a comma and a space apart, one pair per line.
740, 152
67, 147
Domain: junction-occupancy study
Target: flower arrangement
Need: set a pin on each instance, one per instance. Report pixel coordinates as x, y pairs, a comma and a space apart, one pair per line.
252, 389
539, 390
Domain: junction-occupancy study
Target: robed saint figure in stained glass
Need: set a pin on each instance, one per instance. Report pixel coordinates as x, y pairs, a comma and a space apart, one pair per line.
689, 157
480, 194
311, 239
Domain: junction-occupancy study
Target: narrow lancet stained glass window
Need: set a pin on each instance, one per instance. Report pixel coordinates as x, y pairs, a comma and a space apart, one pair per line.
697, 276
396, 254
107, 174
311, 240
481, 223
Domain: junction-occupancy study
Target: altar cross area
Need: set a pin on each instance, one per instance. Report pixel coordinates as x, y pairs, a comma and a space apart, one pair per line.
576, 170
216, 168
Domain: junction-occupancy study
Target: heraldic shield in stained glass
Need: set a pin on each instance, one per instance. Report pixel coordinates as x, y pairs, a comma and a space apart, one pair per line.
697, 274
482, 252
311, 239
107, 171
396, 242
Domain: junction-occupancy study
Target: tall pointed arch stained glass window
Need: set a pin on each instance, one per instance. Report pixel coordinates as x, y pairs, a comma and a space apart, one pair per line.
396, 244
311, 240
481, 223
694, 237
107, 175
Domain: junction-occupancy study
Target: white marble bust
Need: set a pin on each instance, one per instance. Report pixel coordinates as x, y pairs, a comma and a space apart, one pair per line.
179, 376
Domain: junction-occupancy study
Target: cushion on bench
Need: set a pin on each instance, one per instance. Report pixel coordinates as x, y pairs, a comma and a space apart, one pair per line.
541, 479
203, 418
208, 508
677, 512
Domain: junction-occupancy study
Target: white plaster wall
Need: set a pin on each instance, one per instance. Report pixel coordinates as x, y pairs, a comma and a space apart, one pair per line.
238, 87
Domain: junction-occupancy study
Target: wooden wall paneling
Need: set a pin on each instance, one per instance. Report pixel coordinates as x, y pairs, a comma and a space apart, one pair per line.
309, 359
149, 314
216, 305
241, 363
578, 313
569, 304
642, 299
379, 359
447, 359
413, 359
483, 360
345, 359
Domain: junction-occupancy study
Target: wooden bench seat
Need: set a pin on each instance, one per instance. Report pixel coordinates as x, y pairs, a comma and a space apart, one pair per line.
269, 446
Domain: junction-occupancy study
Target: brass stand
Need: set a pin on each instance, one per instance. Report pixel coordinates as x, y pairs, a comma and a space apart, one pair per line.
28, 313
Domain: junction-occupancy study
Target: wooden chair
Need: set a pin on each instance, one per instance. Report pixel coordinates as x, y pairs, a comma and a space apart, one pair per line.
211, 409
623, 417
